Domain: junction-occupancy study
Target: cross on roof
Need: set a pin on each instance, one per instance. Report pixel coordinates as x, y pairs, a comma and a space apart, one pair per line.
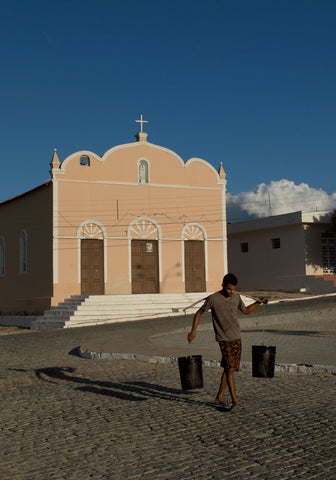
141, 123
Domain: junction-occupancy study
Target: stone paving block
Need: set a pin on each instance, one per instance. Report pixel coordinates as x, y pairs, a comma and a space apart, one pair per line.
75, 418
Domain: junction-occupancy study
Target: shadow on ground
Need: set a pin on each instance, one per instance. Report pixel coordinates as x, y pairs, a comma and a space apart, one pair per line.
133, 391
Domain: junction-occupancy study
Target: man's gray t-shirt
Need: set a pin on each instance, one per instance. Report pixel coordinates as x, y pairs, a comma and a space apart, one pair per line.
224, 315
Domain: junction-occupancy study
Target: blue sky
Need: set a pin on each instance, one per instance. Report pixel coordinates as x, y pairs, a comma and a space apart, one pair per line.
250, 83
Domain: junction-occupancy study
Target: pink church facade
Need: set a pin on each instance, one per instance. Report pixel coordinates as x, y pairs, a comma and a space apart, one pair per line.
136, 220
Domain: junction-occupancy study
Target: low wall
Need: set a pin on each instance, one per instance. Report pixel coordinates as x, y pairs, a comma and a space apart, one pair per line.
314, 284
17, 321
316, 315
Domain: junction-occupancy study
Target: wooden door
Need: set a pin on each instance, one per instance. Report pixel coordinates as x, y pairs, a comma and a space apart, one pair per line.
145, 266
194, 266
92, 267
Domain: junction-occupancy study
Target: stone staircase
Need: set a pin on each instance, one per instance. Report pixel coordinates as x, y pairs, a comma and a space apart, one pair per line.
80, 311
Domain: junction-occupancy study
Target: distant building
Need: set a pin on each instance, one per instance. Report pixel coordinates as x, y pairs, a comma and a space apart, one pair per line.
136, 220
284, 252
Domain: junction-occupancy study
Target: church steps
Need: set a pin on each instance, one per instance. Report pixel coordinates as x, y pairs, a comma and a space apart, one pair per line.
109, 307
135, 298
78, 311
68, 321
101, 310
124, 316
97, 320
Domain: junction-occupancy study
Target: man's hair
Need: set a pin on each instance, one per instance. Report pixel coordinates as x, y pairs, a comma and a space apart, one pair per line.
231, 279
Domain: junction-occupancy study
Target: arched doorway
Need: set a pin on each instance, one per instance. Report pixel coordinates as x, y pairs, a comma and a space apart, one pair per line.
144, 244
194, 258
91, 259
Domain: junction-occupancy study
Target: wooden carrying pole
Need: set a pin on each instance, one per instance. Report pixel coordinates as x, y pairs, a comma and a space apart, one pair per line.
249, 296
193, 304
201, 299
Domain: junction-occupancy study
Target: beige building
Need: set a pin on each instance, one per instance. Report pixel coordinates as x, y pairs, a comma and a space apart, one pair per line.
136, 220
284, 252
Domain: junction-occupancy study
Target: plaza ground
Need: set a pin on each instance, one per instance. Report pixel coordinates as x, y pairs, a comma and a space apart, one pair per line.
65, 417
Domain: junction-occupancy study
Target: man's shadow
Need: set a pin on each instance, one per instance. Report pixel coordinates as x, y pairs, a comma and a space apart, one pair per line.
132, 391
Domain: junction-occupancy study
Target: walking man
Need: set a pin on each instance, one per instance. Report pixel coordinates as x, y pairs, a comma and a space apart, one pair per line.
224, 305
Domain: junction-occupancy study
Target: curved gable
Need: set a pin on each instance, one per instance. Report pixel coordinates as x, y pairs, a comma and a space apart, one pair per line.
120, 164
72, 161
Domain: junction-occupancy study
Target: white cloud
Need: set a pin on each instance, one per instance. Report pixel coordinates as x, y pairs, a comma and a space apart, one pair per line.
279, 197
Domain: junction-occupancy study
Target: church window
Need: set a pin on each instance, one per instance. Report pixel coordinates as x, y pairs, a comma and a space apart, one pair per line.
276, 243
143, 171
23, 251
244, 247
2, 256
84, 161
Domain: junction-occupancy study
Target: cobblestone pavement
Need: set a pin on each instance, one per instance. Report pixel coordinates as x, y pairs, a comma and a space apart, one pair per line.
63, 417
306, 342
301, 331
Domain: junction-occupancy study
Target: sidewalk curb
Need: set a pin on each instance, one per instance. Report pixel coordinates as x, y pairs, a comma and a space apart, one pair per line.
279, 367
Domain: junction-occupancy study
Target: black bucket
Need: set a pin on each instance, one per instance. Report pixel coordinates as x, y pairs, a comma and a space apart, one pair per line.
191, 372
263, 360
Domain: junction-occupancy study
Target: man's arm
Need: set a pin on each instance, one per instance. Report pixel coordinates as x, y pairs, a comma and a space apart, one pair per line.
196, 320
253, 306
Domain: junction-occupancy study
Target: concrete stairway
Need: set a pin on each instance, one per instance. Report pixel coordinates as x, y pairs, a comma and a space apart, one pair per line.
80, 311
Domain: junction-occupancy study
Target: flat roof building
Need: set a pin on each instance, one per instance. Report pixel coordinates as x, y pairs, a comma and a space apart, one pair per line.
294, 251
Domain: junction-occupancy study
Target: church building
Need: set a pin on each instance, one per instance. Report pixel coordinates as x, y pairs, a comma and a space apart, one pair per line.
136, 220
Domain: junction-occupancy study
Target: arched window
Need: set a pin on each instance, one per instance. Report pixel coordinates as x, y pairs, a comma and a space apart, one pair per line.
84, 161
23, 251
143, 171
2, 256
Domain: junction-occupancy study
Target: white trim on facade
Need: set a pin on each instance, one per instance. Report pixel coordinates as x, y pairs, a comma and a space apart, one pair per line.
55, 231
106, 182
207, 164
224, 223
163, 239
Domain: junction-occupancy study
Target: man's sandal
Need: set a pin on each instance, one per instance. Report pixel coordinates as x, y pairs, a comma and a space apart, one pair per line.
223, 403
